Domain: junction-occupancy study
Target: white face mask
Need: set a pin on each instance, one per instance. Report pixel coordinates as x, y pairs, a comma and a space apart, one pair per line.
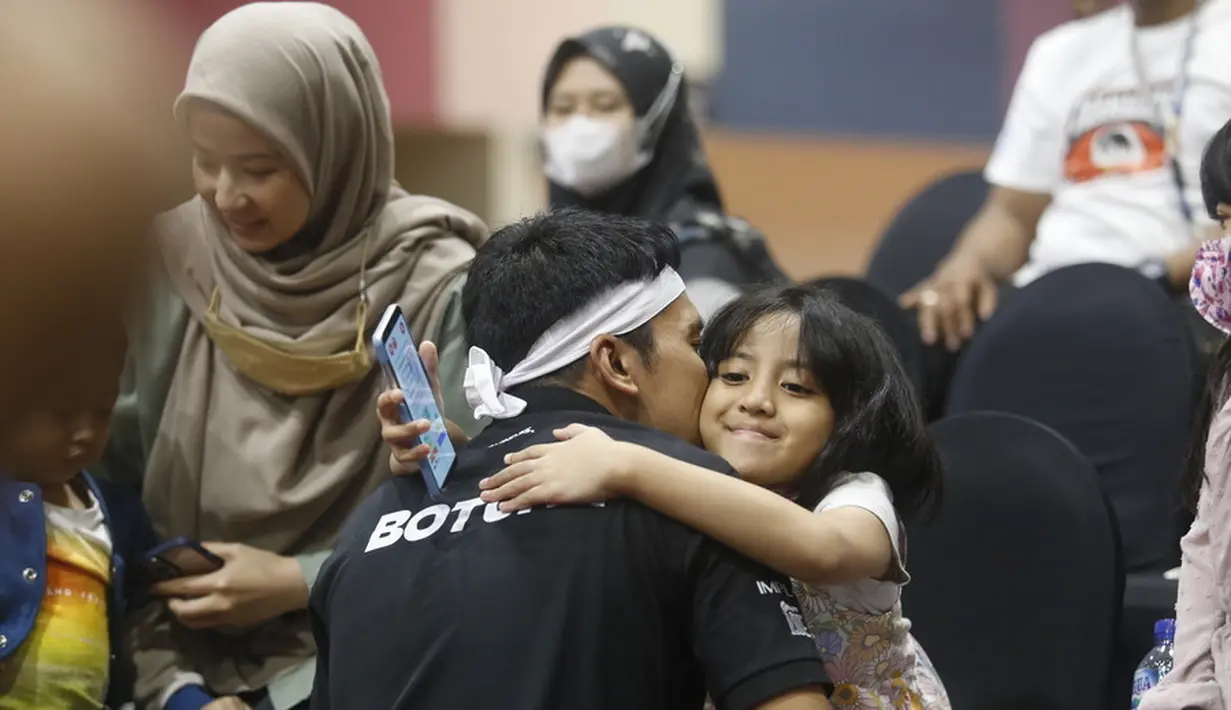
592, 156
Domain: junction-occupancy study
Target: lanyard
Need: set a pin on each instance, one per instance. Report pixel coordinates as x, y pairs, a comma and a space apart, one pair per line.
1169, 118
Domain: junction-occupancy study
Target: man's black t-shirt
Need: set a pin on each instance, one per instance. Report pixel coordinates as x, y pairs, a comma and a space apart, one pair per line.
453, 604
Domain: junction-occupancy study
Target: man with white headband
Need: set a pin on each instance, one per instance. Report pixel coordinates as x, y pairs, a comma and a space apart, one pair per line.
454, 603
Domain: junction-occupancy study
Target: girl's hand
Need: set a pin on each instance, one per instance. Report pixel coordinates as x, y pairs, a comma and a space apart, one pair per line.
586, 466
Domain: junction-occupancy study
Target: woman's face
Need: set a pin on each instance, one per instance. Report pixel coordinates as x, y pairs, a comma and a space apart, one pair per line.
585, 88
247, 179
763, 411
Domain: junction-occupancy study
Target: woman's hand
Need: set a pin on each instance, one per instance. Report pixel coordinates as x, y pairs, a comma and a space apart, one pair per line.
252, 586
586, 466
401, 437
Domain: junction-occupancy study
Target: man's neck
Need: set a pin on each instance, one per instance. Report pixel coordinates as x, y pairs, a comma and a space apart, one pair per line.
1148, 13
587, 387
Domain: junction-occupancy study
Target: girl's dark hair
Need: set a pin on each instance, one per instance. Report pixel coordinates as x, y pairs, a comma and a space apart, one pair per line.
1216, 171
1215, 189
878, 422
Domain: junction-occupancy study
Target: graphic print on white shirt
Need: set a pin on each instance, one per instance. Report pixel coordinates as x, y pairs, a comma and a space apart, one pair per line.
1115, 133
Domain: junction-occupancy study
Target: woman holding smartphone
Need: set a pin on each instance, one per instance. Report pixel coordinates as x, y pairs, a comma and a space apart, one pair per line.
250, 370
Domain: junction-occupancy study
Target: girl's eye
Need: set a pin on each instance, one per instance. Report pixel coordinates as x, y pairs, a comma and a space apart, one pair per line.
733, 377
796, 389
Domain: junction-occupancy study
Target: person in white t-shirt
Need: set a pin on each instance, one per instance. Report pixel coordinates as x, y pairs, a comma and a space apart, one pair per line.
1097, 160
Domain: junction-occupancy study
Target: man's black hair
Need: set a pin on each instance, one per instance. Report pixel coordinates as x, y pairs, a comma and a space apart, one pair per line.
540, 269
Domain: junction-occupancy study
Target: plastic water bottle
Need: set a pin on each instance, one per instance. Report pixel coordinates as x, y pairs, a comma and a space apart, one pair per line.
1157, 662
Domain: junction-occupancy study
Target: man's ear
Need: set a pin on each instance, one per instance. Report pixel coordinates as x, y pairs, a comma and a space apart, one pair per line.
609, 356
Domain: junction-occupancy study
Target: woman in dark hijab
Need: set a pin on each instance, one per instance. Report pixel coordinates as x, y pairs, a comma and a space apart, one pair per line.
618, 137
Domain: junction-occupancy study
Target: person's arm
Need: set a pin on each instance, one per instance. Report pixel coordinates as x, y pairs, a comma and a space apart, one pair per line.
748, 632
310, 563
834, 547
843, 543
1026, 165
964, 290
998, 237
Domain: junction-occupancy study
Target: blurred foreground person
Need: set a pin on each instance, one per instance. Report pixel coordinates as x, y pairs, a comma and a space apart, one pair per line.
78, 140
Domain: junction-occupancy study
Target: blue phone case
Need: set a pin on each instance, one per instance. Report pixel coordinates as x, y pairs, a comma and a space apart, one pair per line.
398, 355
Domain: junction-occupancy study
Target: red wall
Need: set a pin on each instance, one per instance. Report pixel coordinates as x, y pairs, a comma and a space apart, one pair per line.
401, 32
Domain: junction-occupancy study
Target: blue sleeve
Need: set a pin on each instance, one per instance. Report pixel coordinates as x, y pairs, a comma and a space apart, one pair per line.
190, 697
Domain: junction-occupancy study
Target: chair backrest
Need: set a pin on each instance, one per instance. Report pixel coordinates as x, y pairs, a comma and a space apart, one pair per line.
1100, 354
924, 230
869, 300
1016, 583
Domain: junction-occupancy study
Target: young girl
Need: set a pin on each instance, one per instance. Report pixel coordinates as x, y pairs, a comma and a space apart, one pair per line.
809, 401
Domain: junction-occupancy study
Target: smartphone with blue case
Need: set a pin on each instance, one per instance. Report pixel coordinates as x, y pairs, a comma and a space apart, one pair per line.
398, 355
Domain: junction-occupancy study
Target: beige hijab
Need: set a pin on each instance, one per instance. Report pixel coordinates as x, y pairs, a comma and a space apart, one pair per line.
234, 462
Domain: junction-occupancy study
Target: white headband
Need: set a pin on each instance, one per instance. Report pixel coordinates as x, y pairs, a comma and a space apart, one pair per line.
616, 312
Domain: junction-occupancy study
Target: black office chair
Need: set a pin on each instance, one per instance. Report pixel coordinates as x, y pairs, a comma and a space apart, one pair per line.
1100, 354
924, 230
869, 300
1016, 583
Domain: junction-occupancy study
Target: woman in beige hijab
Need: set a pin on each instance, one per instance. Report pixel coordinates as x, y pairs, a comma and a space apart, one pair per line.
250, 383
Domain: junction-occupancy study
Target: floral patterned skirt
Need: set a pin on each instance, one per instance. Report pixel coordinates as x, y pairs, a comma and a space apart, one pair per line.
872, 660
878, 688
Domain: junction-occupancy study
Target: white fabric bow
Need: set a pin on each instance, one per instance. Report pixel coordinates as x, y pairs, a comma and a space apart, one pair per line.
484, 384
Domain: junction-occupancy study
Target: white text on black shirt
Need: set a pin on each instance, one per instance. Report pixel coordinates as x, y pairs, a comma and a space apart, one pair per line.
412, 527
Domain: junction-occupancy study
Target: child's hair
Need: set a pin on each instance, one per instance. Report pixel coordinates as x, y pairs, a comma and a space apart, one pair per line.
878, 423
1215, 189
1216, 171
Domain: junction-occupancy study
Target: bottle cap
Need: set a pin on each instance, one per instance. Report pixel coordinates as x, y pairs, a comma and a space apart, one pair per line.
1164, 630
